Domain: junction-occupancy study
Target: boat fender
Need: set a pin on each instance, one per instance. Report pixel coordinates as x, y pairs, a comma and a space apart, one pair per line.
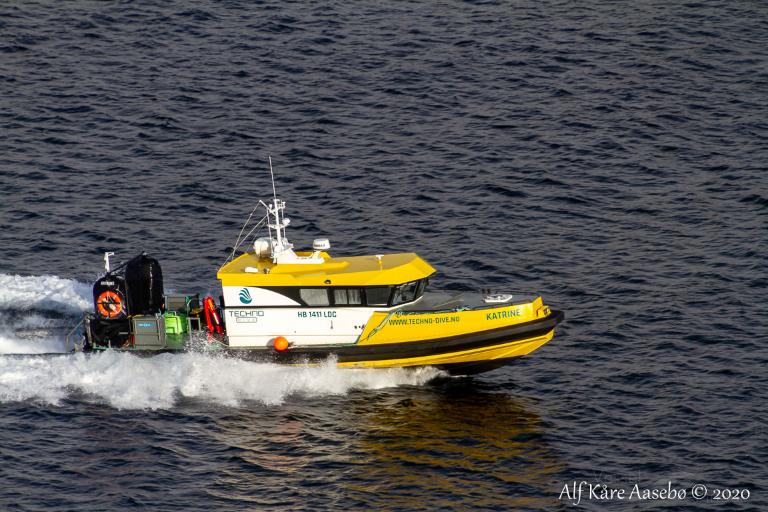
109, 304
280, 344
212, 319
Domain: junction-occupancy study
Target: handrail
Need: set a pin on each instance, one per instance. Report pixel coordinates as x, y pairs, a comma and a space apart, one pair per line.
69, 335
380, 326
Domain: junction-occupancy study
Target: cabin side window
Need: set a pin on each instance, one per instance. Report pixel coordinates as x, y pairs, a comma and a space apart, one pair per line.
314, 296
377, 296
347, 297
422, 286
409, 292
405, 293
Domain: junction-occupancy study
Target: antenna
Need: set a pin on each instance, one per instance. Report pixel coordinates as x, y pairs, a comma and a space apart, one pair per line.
276, 211
274, 193
106, 260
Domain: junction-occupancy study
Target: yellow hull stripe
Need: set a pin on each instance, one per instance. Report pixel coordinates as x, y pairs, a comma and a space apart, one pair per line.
406, 326
501, 351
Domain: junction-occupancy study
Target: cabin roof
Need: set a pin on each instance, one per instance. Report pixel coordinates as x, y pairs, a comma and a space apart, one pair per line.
393, 269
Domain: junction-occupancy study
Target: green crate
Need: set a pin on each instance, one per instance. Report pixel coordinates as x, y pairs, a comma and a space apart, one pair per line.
175, 323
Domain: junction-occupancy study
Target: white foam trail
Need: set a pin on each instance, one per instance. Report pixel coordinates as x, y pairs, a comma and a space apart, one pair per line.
23, 299
10, 345
126, 381
44, 293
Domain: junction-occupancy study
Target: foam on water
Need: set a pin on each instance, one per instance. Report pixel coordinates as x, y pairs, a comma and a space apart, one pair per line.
40, 307
126, 381
44, 293
12, 345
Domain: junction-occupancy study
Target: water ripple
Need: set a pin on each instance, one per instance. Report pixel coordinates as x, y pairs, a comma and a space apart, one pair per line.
611, 156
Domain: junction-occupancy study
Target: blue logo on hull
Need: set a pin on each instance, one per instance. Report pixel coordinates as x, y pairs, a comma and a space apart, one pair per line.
245, 296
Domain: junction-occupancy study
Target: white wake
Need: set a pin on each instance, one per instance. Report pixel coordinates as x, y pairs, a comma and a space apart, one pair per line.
47, 293
36, 312
127, 381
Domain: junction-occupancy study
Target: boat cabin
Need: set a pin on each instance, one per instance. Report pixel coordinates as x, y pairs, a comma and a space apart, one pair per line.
320, 297
367, 281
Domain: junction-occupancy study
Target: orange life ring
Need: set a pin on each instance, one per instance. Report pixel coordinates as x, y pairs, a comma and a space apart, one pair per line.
109, 304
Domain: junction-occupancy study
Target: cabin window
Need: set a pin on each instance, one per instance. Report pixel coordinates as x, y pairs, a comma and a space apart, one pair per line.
347, 296
378, 296
405, 293
421, 288
314, 296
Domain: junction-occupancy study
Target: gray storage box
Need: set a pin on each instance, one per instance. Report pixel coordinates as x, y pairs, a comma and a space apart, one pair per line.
182, 303
148, 332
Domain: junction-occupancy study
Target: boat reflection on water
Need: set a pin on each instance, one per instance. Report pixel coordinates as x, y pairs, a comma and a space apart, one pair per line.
447, 445
455, 445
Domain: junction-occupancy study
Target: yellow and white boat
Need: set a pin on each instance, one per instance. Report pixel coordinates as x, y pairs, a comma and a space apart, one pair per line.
303, 307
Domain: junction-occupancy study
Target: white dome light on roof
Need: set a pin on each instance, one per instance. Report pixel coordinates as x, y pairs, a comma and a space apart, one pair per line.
321, 244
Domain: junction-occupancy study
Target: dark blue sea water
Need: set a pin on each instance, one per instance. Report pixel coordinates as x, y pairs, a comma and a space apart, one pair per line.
609, 155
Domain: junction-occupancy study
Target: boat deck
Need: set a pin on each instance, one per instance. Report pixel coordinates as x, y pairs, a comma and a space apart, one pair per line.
446, 301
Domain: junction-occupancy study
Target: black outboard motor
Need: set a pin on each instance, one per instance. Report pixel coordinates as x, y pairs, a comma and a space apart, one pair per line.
134, 288
144, 280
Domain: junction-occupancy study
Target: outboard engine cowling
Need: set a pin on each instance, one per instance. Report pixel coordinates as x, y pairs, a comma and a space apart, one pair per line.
128, 291
144, 281
135, 288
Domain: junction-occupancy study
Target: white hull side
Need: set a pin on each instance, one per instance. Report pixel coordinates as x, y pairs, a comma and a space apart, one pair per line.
257, 327
246, 296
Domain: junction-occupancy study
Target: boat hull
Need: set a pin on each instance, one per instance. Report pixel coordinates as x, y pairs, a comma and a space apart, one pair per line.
461, 355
